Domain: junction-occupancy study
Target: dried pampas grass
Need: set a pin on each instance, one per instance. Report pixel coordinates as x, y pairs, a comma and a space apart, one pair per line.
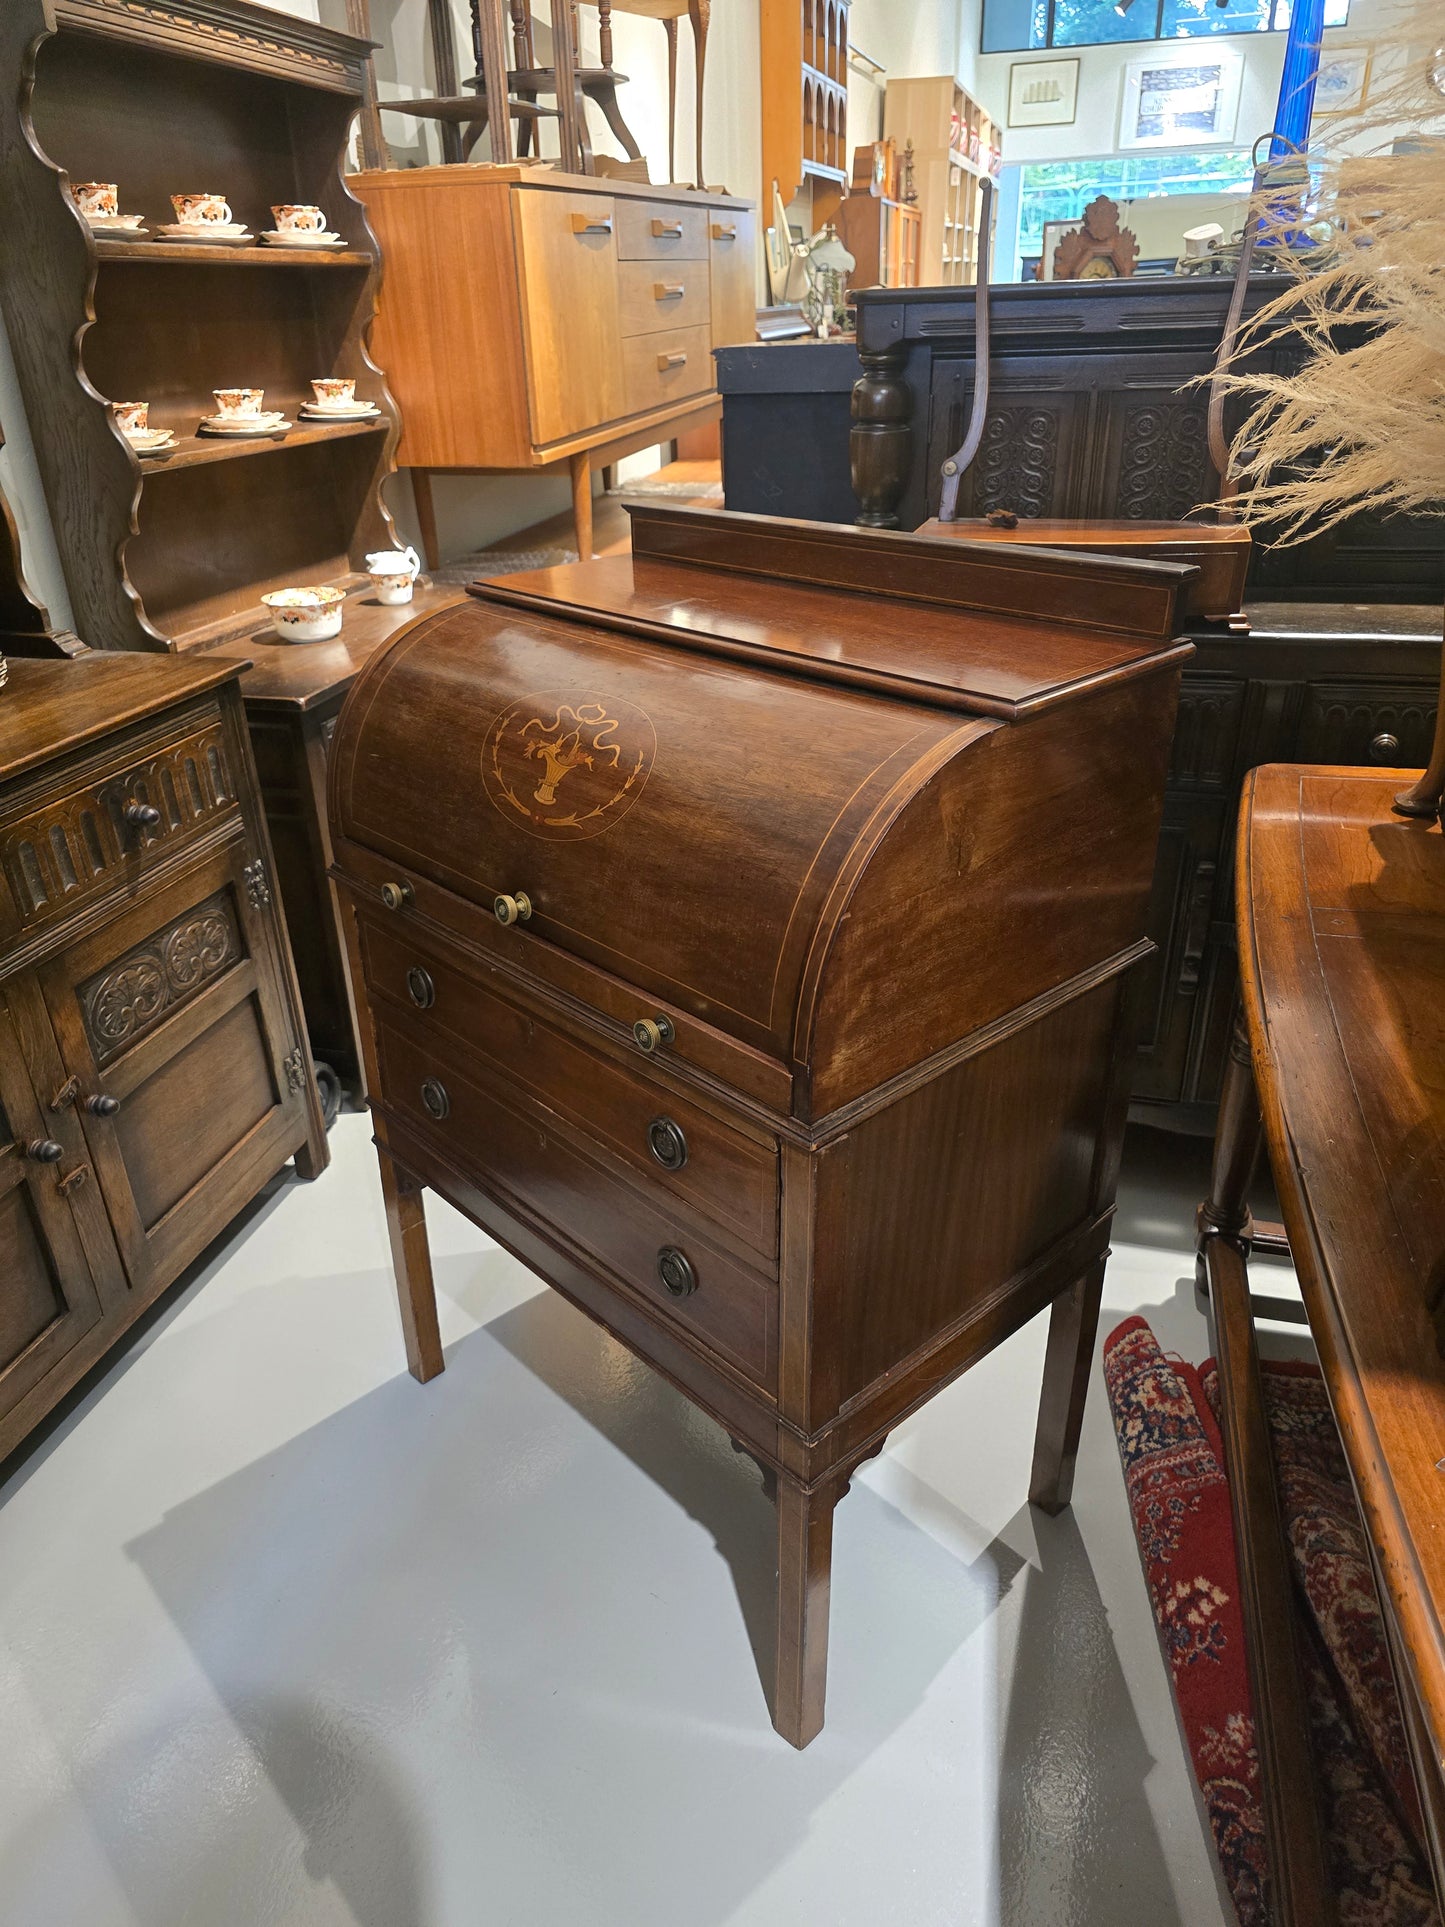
1359, 427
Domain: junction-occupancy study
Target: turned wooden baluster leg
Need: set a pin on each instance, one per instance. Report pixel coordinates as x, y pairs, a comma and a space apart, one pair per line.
881, 438
700, 12
669, 27
604, 31
411, 1261
805, 1563
524, 61
1073, 1327
491, 41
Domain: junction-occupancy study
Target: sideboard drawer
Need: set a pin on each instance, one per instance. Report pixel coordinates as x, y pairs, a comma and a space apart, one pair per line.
566, 252
728, 1176
658, 231
654, 298
1390, 725
523, 1154
661, 368
734, 276
110, 828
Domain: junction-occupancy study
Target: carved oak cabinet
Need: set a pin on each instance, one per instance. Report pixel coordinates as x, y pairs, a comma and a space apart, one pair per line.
745, 931
153, 1074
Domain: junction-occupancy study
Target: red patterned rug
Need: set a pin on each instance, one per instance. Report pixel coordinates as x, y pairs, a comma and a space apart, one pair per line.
1165, 1420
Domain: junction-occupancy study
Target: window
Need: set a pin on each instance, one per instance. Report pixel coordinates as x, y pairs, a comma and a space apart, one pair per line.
1020, 26
1060, 190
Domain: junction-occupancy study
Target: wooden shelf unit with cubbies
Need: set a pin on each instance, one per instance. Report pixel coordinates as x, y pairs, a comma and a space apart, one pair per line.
956, 147
174, 554
805, 100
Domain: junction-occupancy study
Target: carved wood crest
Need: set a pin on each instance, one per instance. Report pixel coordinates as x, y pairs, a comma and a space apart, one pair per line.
1100, 250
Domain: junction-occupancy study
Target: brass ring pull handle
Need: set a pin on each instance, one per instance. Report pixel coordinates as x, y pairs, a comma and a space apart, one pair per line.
679, 1280
101, 1104
396, 896
667, 1144
420, 988
593, 224
434, 1097
141, 816
517, 909
1384, 747
652, 1033
667, 230
44, 1150
668, 290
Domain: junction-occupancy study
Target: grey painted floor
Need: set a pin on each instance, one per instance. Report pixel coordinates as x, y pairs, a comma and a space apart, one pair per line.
286, 1638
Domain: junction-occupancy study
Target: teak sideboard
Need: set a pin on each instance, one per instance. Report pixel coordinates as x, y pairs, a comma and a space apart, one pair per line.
746, 932
530, 318
153, 1070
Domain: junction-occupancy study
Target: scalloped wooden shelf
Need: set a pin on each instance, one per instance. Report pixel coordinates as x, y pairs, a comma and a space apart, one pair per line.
195, 451
111, 248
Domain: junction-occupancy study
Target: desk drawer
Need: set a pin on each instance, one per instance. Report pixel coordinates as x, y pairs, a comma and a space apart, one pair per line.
660, 368
655, 231
668, 1140
524, 1155
111, 828
655, 299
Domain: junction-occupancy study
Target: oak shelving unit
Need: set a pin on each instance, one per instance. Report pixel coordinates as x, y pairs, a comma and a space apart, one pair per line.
956, 147
805, 100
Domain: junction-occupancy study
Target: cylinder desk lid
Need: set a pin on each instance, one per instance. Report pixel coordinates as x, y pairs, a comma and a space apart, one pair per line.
677, 803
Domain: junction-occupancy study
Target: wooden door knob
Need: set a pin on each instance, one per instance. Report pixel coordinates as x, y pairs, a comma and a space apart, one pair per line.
141, 816
101, 1104
517, 909
44, 1150
652, 1033
679, 1280
1384, 748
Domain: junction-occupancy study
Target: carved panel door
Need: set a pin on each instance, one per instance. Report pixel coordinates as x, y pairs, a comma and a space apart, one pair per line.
188, 1069
49, 1298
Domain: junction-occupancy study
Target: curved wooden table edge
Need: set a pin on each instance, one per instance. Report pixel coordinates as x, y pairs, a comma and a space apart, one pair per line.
1407, 1595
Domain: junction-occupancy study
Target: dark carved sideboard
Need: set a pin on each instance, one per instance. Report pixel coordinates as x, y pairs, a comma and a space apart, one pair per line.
1089, 415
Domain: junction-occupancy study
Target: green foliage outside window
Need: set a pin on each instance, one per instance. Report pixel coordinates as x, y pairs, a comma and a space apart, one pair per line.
1061, 190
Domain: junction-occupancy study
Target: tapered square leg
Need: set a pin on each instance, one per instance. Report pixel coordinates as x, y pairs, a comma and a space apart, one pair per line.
1073, 1327
411, 1260
805, 1566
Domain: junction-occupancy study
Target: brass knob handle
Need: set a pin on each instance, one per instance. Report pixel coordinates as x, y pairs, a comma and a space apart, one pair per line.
44, 1150
653, 1032
434, 1096
101, 1104
667, 1143
1384, 747
141, 816
420, 988
396, 896
679, 1280
517, 909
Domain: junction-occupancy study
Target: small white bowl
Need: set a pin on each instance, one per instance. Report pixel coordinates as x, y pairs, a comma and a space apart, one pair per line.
306, 615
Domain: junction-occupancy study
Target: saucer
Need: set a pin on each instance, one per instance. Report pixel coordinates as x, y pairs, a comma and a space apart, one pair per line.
150, 441
356, 411
117, 223
266, 424
294, 238
234, 235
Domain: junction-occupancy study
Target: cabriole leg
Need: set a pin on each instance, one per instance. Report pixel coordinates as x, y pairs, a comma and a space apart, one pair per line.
1073, 1326
411, 1260
805, 1563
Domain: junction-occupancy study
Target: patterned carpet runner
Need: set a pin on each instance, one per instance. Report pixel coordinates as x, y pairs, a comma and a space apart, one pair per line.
1166, 1422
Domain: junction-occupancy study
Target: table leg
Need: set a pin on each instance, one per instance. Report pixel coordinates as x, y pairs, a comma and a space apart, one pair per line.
805, 1564
426, 515
670, 28
1238, 1133
411, 1261
1073, 1326
582, 503
701, 12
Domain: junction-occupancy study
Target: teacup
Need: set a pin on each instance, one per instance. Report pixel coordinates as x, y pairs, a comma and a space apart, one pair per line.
335, 391
131, 417
202, 210
306, 615
238, 404
97, 200
393, 574
300, 219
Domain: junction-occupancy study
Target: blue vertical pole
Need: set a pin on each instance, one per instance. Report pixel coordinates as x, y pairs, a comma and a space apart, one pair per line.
1297, 83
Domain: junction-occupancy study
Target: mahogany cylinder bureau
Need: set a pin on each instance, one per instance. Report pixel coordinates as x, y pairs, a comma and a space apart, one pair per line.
744, 932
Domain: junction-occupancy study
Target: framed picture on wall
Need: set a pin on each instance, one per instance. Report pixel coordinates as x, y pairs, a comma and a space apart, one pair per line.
1181, 102
1344, 79
1043, 93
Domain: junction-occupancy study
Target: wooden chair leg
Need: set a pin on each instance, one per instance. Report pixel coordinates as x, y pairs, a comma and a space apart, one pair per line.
411, 1260
701, 13
670, 29
604, 92
1237, 1136
805, 1565
1073, 1327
